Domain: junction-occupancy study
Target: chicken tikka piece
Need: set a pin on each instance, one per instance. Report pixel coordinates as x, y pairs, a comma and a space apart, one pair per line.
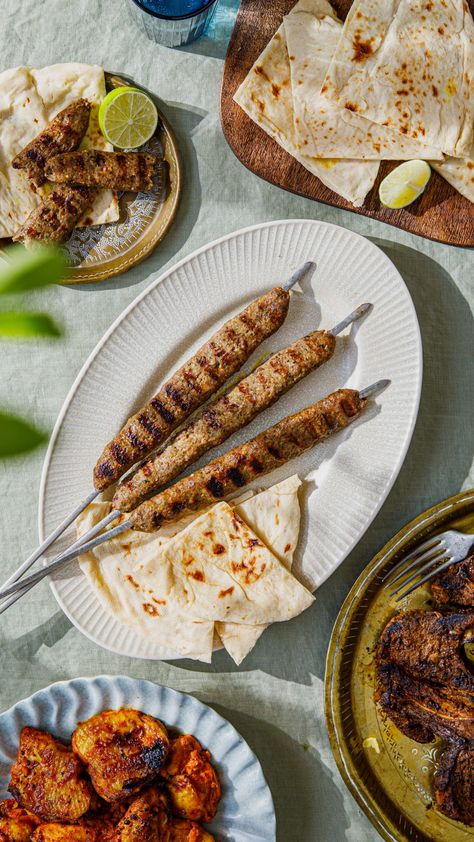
48, 779
182, 830
95, 830
191, 780
146, 820
16, 823
122, 749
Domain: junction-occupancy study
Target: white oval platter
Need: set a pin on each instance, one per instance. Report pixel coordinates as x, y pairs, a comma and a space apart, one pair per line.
346, 479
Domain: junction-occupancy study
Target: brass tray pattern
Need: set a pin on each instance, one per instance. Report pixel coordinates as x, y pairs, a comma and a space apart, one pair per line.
390, 776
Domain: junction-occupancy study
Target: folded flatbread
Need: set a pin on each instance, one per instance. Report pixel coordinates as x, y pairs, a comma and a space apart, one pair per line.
409, 65
133, 582
29, 99
266, 96
274, 515
324, 129
218, 569
459, 172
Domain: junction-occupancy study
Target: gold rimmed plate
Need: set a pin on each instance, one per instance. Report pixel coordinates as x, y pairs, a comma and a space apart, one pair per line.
99, 252
389, 775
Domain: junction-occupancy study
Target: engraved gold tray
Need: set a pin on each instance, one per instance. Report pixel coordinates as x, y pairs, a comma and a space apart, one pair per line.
390, 776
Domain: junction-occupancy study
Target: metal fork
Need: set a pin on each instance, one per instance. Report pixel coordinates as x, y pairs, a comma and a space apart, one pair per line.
428, 561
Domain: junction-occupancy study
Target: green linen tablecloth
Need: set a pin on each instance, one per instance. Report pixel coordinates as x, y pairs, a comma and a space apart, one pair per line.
276, 698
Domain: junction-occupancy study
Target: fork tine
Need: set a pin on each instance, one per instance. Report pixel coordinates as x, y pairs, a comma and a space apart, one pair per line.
420, 570
431, 543
435, 550
426, 578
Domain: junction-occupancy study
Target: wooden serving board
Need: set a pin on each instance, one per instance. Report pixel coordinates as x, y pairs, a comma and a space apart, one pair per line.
441, 214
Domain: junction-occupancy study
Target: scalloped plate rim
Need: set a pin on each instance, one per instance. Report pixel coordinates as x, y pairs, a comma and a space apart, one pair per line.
135, 683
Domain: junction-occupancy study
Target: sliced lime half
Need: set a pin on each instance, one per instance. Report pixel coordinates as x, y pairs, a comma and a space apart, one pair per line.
404, 184
127, 118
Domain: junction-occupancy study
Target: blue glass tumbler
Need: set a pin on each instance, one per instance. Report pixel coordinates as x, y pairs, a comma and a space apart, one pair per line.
174, 23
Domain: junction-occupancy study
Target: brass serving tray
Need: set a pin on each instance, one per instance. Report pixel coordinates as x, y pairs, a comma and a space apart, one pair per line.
390, 776
100, 252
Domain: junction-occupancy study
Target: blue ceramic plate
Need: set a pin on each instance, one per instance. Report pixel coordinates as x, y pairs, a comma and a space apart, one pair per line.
245, 812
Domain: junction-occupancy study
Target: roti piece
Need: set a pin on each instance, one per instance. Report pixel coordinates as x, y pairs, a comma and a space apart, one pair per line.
408, 65
22, 115
29, 100
218, 569
324, 129
115, 573
266, 96
274, 515
120, 573
459, 172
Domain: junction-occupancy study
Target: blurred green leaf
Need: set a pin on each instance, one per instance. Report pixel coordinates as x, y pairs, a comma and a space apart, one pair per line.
18, 436
30, 269
26, 325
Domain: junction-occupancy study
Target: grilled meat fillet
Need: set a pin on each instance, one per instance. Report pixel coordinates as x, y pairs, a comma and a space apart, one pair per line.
262, 454
427, 645
182, 830
146, 820
64, 134
16, 824
454, 783
422, 710
191, 780
48, 779
57, 215
122, 749
230, 413
192, 385
117, 170
455, 585
95, 830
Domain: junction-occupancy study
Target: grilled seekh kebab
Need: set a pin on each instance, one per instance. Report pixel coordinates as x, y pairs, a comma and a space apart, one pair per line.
64, 134
115, 170
54, 219
225, 415
235, 339
269, 450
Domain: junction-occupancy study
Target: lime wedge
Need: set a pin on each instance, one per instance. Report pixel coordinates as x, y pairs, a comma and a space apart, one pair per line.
127, 118
404, 184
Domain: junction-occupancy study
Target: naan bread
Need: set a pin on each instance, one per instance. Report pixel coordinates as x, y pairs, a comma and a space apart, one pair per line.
29, 99
324, 129
409, 65
119, 573
266, 96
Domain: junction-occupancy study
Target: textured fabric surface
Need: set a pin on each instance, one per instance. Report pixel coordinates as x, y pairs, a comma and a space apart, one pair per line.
276, 697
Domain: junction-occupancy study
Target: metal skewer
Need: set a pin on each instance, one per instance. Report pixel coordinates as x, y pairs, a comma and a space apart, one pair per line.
77, 550
297, 276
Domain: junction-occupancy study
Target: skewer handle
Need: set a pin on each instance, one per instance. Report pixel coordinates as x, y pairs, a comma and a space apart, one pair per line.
73, 552
52, 537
